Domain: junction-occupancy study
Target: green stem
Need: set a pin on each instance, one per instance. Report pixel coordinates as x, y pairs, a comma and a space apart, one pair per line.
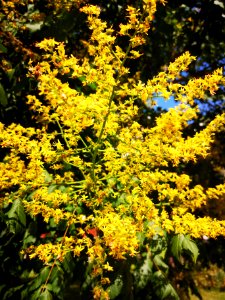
55, 260
100, 137
98, 143
62, 133
85, 145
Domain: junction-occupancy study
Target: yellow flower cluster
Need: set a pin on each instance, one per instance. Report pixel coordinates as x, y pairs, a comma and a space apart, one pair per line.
47, 252
100, 158
138, 24
120, 242
187, 223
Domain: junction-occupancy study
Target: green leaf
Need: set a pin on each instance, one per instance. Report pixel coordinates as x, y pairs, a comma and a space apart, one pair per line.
158, 275
34, 27
163, 289
3, 49
93, 86
10, 73
44, 274
2, 286
29, 236
12, 292
33, 296
3, 96
158, 260
56, 273
68, 264
52, 188
170, 292
176, 246
190, 246
46, 295
181, 243
16, 217
143, 274
34, 287
141, 237
26, 274
115, 289
82, 78
57, 280
48, 176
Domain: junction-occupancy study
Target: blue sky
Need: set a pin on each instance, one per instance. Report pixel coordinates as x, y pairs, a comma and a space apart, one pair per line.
165, 104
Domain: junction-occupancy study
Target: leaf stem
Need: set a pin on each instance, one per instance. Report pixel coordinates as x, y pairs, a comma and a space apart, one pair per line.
63, 135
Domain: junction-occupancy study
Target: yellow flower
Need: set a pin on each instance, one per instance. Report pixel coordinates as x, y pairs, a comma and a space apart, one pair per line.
107, 267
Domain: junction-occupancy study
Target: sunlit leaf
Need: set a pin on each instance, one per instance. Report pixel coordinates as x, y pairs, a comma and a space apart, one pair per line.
115, 289
169, 293
176, 245
46, 295
158, 260
181, 243
191, 247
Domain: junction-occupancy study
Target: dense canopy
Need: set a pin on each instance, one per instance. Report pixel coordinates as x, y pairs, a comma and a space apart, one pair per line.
96, 180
